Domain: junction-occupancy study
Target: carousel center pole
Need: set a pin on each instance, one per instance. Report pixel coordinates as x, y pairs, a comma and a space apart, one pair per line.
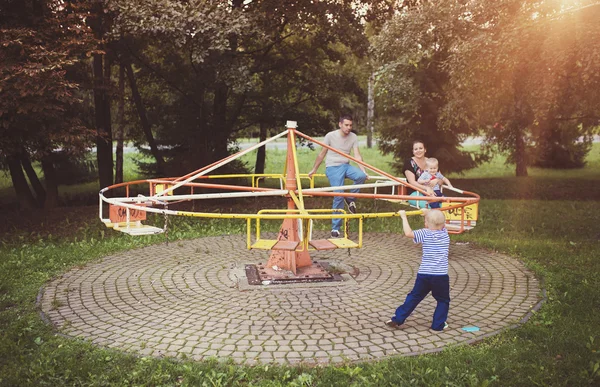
297, 255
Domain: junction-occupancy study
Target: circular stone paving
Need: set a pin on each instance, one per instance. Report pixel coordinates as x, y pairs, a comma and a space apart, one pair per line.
185, 300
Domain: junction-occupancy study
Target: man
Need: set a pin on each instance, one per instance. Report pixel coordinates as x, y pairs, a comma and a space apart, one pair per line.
338, 168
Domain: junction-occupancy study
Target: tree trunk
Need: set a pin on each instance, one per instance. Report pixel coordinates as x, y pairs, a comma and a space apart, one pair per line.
221, 128
520, 156
523, 118
24, 195
103, 128
120, 126
38, 188
261, 153
137, 99
370, 111
101, 73
51, 182
220, 134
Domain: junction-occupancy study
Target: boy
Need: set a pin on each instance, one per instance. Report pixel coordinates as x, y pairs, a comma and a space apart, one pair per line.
433, 173
433, 272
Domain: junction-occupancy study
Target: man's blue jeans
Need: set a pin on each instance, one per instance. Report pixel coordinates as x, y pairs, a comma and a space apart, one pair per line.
439, 286
336, 176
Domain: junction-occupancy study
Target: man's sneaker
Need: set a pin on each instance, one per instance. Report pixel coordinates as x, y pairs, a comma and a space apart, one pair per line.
335, 234
351, 206
392, 324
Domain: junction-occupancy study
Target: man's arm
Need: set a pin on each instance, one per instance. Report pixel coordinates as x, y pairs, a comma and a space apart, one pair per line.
359, 157
318, 162
405, 226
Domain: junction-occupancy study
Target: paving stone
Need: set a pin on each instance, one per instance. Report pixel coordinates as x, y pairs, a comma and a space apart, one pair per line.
182, 299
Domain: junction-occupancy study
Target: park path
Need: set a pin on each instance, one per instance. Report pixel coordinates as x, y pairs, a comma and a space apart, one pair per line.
188, 300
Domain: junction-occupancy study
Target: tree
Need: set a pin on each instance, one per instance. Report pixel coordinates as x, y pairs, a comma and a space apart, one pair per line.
208, 70
516, 78
525, 74
412, 50
40, 42
569, 93
102, 58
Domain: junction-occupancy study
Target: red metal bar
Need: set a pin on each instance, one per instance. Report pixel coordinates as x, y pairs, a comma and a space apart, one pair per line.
361, 163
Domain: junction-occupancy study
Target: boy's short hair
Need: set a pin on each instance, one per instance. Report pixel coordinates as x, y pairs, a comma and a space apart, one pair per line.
431, 161
435, 218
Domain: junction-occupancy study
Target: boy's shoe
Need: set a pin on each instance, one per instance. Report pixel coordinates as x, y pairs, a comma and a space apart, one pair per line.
392, 324
444, 328
335, 234
351, 206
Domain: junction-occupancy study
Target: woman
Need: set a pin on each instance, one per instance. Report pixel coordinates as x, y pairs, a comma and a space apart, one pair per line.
416, 165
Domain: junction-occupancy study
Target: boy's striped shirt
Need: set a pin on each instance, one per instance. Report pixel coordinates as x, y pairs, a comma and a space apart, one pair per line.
436, 244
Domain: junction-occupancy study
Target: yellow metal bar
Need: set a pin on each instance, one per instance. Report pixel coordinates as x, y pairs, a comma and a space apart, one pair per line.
284, 215
360, 232
235, 175
284, 211
312, 179
297, 171
305, 177
248, 230
285, 166
257, 228
298, 203
306, 229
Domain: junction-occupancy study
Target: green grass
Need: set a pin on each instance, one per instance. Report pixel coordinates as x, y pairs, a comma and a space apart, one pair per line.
541, 220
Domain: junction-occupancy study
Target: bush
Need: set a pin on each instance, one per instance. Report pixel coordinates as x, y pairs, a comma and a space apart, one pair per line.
559, 147
74, 170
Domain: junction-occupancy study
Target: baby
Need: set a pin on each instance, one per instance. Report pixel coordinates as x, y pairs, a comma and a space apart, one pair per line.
432, 173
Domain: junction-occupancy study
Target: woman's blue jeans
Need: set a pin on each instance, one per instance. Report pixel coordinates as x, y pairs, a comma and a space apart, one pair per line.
336, 176
439, 286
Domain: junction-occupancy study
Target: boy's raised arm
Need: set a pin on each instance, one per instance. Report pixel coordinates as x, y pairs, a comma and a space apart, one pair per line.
405, 226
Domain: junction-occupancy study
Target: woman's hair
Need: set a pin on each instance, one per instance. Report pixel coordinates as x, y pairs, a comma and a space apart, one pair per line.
418, 142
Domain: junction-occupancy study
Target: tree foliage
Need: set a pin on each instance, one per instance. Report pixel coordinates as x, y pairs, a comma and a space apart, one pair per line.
412, 50
522, 73
208, 70
40, 44
518, 80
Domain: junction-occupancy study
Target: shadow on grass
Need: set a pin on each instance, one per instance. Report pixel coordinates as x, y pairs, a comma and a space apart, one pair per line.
532, 188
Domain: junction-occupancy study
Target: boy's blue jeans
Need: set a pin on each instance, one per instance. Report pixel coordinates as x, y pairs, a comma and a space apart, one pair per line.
439, 286
336, 176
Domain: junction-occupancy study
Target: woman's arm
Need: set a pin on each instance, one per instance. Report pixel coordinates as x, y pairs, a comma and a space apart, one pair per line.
443, 179
411, 179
